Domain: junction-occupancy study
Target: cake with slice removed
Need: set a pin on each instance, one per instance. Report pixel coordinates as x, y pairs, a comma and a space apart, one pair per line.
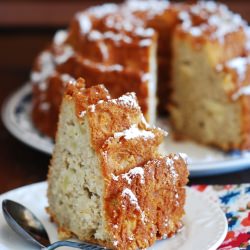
107, 182
173, 54
210, 65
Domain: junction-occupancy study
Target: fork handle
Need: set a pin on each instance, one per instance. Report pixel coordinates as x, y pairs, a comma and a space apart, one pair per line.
85, 246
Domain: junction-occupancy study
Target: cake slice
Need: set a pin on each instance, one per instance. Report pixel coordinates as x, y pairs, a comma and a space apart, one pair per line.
108, 183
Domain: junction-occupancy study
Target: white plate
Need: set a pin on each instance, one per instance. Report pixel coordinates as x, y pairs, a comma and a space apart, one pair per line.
203, 160
205, 225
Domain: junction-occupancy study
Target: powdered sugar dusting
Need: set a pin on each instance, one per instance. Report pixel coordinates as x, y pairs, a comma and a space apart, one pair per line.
182, 156
184, 16
96, 35
127, 100
103, 10
60, 37
144, 32
151, 8
240, 65
35, 76
132, 198
66, 78
82, 113
187, 24
134, 132
133, 172
115, 243
215, 15
91, 108
43, 86
195, 31
145, 43
114, 23
225, 25
117, 37
84, 22
46, 66
219, 67
134, 201
247, 45
114, 177
104, 50
65, 55
115, 67
102, 67
146, 77
72, 82
144, 122
44, 106
241, 92
170, 163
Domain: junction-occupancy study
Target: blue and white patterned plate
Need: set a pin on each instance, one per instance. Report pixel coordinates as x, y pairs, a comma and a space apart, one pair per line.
203, 160
17, 119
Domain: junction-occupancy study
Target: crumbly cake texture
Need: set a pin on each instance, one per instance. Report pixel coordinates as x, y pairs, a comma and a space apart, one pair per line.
191, 59
107, 183
215, 72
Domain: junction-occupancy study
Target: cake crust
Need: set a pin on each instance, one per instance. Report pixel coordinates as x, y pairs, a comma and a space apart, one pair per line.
135, 198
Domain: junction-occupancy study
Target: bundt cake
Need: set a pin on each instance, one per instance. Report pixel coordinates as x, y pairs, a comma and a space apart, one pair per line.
107, 183
183, 56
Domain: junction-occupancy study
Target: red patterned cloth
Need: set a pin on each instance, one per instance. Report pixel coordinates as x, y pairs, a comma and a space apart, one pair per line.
235, 202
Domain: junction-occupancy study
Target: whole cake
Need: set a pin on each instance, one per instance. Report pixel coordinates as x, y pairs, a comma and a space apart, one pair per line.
190, 58
107, 182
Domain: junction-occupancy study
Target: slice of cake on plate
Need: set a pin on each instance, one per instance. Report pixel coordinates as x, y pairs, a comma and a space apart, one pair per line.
107, 181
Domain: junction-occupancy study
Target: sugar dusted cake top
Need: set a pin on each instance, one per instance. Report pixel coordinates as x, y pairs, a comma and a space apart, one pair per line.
118, 120
210, 19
